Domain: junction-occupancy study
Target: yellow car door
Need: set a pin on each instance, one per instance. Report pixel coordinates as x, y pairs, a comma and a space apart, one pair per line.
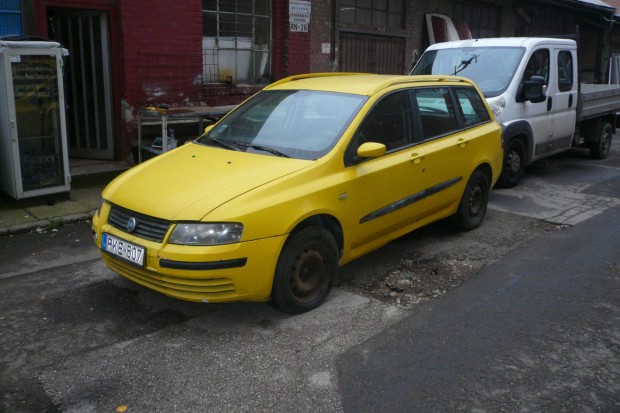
445, 145
386, 193
456, 128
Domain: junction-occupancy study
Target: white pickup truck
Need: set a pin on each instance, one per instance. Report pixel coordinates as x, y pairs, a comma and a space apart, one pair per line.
533, 88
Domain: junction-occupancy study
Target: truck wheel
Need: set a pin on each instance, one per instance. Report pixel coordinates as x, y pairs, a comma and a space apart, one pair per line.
514, 164
306, 270
473, 205
600, 148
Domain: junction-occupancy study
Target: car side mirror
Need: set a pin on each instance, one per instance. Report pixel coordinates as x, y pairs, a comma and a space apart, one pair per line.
371, 150
208, 129
532, 90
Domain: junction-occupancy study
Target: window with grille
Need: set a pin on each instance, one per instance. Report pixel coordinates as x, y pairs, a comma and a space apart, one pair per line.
236, 41
483, 19
10, 17
378, 13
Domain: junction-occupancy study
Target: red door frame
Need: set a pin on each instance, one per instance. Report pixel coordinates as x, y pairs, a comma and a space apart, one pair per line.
116, 52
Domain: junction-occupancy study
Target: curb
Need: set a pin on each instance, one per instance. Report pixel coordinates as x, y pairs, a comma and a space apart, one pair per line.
45, 224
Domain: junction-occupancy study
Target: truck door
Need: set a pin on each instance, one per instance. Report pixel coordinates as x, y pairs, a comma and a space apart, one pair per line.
564, 99
540, 114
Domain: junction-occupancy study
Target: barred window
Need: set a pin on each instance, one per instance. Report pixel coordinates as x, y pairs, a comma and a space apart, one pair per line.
378, 13
236, 41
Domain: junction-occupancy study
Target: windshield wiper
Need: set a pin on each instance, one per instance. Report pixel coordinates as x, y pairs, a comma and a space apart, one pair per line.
222, 144
464, 64
262, 148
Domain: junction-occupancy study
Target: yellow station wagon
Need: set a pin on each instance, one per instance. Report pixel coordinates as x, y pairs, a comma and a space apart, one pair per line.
305, 176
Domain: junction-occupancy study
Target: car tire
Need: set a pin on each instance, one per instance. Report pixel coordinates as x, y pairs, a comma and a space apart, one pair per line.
600, 149
306, 270
473, 205
513, 167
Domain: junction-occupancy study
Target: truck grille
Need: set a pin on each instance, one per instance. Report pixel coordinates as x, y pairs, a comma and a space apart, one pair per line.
147, 227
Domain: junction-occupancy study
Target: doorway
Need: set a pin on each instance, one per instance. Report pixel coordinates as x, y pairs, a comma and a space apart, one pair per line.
88, 86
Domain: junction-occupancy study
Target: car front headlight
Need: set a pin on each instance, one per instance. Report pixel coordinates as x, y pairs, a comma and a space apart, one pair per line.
497, 105
214, 233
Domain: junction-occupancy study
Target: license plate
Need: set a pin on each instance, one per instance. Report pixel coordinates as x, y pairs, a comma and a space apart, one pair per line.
123, 249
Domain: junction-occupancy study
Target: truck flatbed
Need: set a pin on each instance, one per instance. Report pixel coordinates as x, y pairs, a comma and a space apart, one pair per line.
597, 100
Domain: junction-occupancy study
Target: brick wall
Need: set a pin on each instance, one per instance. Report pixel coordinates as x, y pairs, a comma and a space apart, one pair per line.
321, 33
290, 50
162, 47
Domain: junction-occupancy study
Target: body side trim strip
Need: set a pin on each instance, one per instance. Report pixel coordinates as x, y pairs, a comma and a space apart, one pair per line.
401, 203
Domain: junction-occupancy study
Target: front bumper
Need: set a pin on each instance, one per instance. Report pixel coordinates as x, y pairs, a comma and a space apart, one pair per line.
233, 272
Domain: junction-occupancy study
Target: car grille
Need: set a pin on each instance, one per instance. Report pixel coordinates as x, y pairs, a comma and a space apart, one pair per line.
147, 227
192, 289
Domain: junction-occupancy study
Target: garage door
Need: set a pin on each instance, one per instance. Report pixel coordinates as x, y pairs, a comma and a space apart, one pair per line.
372, 54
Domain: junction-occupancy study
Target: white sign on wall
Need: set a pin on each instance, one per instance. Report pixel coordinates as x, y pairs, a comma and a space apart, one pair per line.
299, 15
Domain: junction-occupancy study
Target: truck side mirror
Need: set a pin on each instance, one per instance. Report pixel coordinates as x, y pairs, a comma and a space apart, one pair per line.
532, 90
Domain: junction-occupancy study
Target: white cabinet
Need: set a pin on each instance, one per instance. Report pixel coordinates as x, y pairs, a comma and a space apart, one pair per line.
33, 138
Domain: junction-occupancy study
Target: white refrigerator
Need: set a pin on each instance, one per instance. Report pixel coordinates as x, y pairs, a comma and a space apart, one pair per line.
33, 139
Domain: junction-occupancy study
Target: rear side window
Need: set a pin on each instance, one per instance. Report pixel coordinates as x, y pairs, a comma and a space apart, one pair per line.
565, 70
437, 115
471, 106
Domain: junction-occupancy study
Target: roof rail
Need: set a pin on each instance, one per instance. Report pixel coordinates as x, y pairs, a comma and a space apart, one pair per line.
420, 79
310, 75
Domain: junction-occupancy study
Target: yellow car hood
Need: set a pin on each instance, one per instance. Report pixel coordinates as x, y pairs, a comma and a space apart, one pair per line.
191, 181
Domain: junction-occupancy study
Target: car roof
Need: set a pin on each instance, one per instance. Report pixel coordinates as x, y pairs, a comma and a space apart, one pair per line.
504, 42
357, 83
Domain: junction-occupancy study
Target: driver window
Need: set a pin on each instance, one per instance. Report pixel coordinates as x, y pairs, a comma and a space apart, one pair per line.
538, 65
389, 122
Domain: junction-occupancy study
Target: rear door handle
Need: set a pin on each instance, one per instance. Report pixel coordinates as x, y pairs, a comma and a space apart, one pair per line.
462, 142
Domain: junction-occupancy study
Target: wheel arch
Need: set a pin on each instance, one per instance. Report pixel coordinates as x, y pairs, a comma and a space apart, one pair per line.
486, 169
520, 129
327, 221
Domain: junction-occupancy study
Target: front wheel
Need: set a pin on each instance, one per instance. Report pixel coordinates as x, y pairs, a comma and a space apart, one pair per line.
514, 164
600, 148
473, 205
306, 270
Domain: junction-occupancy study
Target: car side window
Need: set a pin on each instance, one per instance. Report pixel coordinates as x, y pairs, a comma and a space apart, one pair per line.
565, 70
389, 122
471, 106
437, 115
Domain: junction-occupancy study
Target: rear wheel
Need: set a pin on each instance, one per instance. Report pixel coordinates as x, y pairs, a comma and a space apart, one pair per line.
473, 205
305, 271
600, 148
514, 164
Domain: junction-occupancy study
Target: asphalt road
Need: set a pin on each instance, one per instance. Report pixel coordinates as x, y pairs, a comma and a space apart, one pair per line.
537, 329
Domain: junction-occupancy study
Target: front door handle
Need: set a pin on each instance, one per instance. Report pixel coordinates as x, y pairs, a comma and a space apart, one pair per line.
549, 103
416, 158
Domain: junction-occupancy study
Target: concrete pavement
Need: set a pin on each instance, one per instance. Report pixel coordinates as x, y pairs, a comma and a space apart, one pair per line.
88, 180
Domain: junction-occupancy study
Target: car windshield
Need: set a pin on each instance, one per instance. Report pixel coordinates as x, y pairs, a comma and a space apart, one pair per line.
302, 124
491, 68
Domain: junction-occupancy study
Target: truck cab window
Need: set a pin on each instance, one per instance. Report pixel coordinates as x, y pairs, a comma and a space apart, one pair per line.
565, 70
538, 65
